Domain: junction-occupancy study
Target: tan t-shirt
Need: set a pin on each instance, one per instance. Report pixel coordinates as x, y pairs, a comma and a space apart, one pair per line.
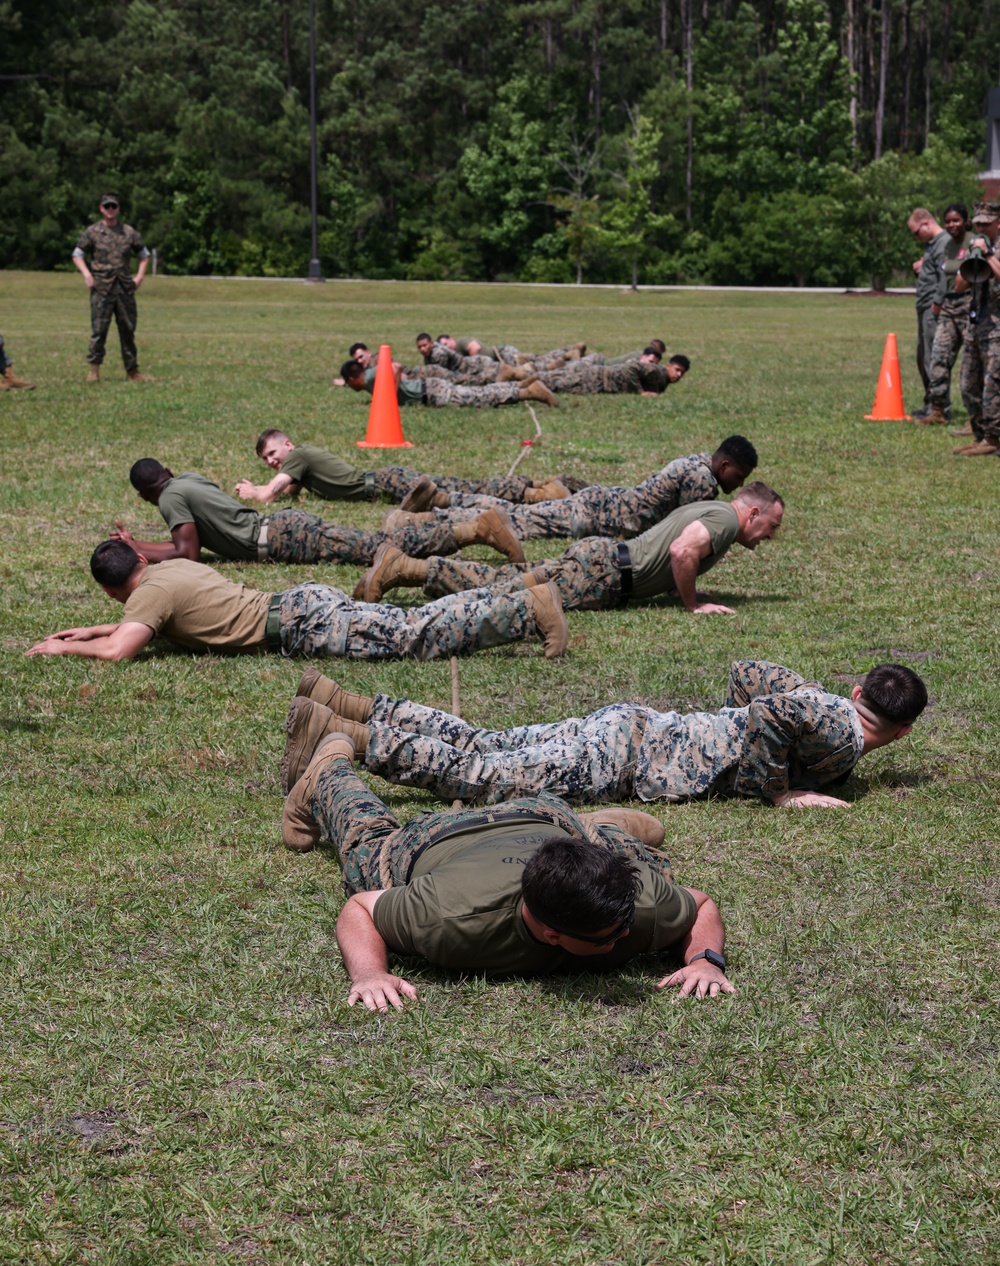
651, 570
462, 908
193, 605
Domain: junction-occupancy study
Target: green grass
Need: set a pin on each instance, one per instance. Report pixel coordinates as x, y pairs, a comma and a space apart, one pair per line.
182, 1081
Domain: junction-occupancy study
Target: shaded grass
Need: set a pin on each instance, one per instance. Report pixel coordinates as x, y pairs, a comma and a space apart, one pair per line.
182, 1081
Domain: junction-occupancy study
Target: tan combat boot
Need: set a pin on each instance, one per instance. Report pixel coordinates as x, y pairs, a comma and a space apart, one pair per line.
133, 375
551, 491
10, 379
299, 831
643, 826
313, 685
963, 430
93, 374
492, 528
306, 725
934, 416
392, 569
420, 496
538, 391
985, 447
550, 619
512, 373
393, 519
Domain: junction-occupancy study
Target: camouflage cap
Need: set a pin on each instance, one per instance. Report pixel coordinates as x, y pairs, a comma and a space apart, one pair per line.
110, 197
986, 212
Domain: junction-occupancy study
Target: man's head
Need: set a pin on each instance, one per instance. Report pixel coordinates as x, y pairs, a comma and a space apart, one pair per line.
659, 345
149, 477
677, 367
651, 355
353, 374
579, 896
114, 565
922, 225
425, 344
986, 219
360, 353
274, 446
447, 340
733, 462
110, 205
888, 701
760, 511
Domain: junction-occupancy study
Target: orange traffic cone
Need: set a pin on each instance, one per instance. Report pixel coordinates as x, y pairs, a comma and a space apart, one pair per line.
385, 427
888, 405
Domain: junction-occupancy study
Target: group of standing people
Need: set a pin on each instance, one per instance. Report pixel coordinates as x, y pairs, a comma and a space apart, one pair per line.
958, 310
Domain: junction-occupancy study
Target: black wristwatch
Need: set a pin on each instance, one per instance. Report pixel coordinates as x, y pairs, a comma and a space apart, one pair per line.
715, 959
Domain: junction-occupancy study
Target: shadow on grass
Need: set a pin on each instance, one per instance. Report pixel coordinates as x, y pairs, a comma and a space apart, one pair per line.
11, 725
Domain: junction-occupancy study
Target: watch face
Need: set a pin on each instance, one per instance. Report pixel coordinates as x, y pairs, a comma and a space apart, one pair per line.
716, 959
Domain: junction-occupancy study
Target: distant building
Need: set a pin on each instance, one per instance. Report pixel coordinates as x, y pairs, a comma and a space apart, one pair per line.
991, 175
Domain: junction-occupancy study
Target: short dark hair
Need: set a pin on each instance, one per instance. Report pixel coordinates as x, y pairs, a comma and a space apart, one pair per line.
659, 344
960, 207
421, 336
272, 434
146, 473
760, 494
572, 885
680, 359
439, 337
352, 369
652, 351
113, 562
895, 693
738, 450
354, 349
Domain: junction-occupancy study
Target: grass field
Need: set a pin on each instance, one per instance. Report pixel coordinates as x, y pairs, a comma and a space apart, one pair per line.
181, 1079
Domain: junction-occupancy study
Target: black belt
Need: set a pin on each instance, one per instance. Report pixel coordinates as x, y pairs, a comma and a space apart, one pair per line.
625, 568
272, 629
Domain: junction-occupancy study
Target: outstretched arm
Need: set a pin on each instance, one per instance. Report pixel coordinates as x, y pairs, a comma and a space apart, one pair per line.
366, 957
101, 641
279, 486
700, 977
183, 543
686, 553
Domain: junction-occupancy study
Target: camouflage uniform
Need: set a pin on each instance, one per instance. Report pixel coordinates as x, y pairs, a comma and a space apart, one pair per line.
602, 511
295, 536
376, 852
511, 355
473, 371
394, 482
584, 378
775, 732
952, 324
113, 293
318, 620
440, 392
477, 371
587, 575
980, 379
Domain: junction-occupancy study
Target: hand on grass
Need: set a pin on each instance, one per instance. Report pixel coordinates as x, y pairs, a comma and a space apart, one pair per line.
700, 978
380, 991
809, 800
711, 608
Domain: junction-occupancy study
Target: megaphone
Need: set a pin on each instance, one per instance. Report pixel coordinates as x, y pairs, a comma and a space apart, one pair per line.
974, 268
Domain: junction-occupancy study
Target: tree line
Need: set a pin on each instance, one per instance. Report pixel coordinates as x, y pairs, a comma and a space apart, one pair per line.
643, 141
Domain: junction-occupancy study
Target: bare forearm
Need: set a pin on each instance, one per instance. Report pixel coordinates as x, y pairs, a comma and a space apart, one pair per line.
363, 950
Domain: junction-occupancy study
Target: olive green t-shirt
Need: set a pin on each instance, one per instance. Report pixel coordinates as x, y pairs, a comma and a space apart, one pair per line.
224, 526
651, 570
409, 391
325, 474
954, 254
193, 605
462, 908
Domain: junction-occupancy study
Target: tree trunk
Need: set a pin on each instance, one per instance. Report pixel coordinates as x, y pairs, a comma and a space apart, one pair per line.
907, 59
883, 75
854, 70
595, 53
688, 18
